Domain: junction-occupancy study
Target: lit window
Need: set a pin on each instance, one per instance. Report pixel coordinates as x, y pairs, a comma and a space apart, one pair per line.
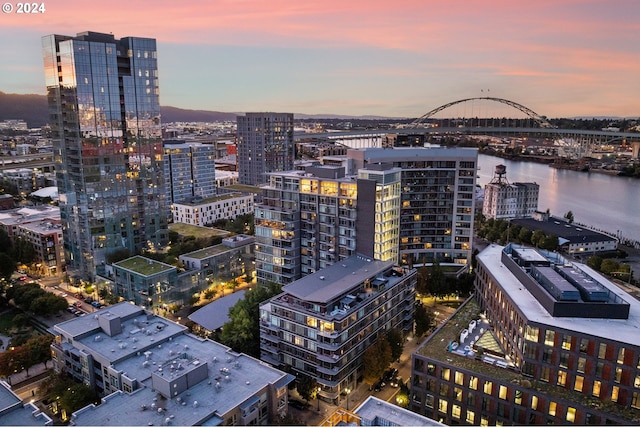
503, 392
596, 388
571, 414
552, 409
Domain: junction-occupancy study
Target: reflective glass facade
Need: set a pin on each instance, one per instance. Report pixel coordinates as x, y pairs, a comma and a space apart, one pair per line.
104, 111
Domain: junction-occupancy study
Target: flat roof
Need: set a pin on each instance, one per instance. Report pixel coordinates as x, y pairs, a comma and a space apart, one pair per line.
626, 329
213, 199
197, 230
416, 153
561, 228
233, 379
381, 413
331, 282
14, 413
208, 251
215, 314
144, 266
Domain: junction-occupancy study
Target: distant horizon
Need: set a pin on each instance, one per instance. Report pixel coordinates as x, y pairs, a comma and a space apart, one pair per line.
560, 58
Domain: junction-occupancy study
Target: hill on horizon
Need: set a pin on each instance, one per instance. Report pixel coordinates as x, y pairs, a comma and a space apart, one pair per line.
33, 109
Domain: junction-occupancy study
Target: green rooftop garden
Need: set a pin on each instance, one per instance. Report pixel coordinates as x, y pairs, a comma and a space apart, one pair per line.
144, 266
208, 252
196, 231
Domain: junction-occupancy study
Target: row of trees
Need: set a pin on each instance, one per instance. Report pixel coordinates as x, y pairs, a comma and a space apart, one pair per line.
503, 232
18, 358
31, 297
12, 252
432, 280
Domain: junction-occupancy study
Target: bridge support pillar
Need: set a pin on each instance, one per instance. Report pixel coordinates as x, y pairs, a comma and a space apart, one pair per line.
635, 149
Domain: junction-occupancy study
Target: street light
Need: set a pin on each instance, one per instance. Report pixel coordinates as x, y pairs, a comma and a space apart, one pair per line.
347, 390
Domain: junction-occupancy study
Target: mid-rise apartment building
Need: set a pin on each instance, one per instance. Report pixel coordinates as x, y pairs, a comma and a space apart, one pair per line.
149, 370
545, 341
322, 324
265, 144
207, 211
503, 200
46, 239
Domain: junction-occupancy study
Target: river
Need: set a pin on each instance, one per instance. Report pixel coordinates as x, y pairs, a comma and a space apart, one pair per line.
604, 202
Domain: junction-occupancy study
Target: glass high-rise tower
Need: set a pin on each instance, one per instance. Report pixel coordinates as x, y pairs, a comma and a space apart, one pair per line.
104, 111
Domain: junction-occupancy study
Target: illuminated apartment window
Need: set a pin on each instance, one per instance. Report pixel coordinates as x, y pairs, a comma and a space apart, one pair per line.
455, 411
571, 414
473, 382
457, 394
445, 374
488, 387
621, 356
562, 378
471, 417
517, 399
444, 389
442, 405
531, 333
596, 388
549, 337
552, 409
534, 402
578, 383
502, 394
618, 375
614, 393
484, 421
566, 342
459, 378
636, 382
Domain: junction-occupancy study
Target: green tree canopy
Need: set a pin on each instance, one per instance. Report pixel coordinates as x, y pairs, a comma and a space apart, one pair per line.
376, 359
306, 386
424, 319
595, 262
569, 217
396, 343
7, 266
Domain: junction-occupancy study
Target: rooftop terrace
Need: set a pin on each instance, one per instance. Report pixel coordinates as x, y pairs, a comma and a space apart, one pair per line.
144, 266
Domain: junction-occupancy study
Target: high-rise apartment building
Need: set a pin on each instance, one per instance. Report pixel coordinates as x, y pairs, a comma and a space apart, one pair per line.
265, 144
189, 170
310, 219
437, 200
503, 200
104, 110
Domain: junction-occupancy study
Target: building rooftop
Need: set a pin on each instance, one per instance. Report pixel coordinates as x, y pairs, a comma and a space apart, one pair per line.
626, 329
196, 230
144, 266
213, 199
413, 153
14, 413
156, 353
571, 232
30, 214
215, 314
377, 412
331, 282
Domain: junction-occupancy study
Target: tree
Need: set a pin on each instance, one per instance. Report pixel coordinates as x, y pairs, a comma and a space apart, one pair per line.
23, 251
77, 396
117, 255
437, 281
307, 387
7, 266
609, 266
375, 360
595, 262
549, 243
525, 235
5, 241
396, 343
424, 319
422, 278
537, 237
569, 217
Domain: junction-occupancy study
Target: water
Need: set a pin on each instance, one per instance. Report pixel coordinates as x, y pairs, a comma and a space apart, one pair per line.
604, 202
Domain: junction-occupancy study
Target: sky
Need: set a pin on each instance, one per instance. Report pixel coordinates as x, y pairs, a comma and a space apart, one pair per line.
400, 58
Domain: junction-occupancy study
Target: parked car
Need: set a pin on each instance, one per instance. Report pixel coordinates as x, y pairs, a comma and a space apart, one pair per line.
297, 404
96, 304
395, 382
389, 374
379, 385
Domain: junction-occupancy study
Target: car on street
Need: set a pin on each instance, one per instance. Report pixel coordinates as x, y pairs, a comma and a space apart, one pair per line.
297, 404
389, 374
379, 385
395, 382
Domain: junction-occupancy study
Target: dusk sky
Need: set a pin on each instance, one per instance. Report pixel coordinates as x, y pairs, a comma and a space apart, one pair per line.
402, 58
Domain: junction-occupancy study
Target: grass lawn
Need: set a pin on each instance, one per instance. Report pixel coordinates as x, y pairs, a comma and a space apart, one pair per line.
193, 230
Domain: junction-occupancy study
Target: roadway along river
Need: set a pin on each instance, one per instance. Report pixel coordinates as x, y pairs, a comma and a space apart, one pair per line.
605, 202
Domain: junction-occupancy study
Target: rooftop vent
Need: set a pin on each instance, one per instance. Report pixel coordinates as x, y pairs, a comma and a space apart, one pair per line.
321, 277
